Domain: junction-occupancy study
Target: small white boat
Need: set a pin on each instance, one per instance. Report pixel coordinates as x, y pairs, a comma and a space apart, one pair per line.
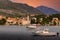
33, 26
45, 32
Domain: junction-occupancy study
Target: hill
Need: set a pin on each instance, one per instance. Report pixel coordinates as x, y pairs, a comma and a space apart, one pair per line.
47, 10
18, 9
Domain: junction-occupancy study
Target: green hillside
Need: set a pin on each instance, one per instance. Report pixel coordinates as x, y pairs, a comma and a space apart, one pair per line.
17, 8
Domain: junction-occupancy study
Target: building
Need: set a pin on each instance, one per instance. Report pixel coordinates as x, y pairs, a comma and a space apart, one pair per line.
11, 21
56, 20
16, 21
41, 19
1, 17
25, 21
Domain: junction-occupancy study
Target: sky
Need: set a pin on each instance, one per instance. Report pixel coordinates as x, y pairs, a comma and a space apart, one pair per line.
55, 4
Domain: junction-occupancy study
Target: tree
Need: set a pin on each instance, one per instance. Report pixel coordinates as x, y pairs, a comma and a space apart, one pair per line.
54, 23
3, 21
32, 21
55, 15
38, 18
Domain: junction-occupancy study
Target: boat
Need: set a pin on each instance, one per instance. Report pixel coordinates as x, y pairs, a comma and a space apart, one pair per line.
33, 26
45, 32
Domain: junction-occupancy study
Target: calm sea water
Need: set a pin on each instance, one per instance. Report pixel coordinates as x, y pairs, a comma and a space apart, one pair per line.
22, 29
23, 33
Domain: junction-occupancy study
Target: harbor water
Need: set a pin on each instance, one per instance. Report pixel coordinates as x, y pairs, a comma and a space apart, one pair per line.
23, 33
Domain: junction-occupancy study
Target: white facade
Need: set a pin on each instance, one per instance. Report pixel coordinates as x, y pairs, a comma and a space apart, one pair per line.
26, 21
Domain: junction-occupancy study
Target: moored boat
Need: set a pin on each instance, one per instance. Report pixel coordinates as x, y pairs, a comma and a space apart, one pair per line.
33, 26
45, 32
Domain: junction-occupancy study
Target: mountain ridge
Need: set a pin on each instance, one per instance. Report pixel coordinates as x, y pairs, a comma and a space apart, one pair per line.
47, 10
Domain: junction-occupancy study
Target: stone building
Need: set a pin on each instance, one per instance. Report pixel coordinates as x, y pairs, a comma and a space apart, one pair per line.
25, 21
11, 21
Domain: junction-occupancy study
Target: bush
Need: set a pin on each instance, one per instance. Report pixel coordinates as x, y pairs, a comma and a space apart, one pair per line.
2, 22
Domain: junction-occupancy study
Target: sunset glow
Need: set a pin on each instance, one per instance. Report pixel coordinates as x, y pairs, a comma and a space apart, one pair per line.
50, 3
